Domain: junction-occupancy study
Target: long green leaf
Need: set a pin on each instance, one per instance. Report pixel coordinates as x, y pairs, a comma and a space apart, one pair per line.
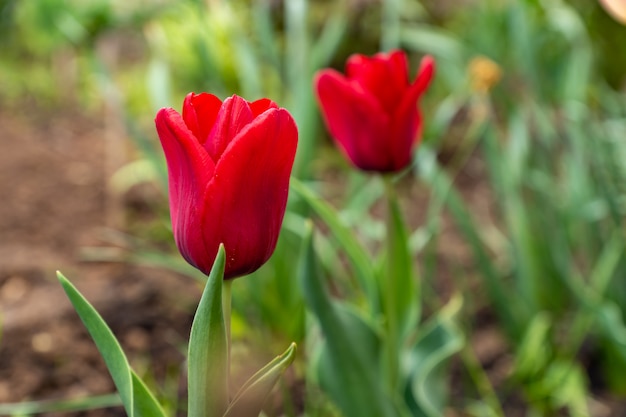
356, 374
106, 342
145, 404
208, 351
136, 398
330, 39
250, 398
358, 257
60, 406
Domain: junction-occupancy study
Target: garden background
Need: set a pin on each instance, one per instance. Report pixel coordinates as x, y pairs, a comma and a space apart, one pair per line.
516, 201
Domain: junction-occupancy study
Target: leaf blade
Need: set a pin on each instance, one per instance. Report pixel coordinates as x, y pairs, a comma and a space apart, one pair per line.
355, 372
250, 398
107, 344
208, 351
358, 257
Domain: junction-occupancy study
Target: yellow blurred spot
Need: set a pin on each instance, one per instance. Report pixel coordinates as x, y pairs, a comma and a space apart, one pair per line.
484, 74
616, 8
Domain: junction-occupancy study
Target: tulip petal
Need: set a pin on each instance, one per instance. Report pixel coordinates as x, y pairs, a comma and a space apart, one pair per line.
353, 118
383, 75
233, 116
423, 77
407, 122
200, 112
189, 170
245, 202
260, 106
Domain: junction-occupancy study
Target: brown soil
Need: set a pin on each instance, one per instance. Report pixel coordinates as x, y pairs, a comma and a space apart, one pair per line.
53, 186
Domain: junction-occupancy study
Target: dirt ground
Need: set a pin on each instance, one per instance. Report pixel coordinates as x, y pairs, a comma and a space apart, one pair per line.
54, 199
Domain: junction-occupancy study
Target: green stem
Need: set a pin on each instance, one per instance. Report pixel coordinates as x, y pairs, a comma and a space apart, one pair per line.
387, 287
226, 307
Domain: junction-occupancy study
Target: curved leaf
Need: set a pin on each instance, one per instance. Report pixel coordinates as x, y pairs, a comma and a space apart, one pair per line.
439, 339
106, 342
137, 399
250, 398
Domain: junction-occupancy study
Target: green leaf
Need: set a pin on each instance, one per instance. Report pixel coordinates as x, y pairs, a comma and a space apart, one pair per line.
25, 408
563, 383
250, 398
330, 39
145, 404
434, 41
534, 354
369, 341
438, 340
208, 349
611, 323
136, 398
358, 257
355, 371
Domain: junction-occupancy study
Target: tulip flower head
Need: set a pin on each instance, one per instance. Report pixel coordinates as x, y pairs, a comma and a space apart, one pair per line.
228, 169
371, 111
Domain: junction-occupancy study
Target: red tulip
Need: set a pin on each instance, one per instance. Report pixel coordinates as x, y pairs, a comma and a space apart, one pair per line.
229, 165
371, 112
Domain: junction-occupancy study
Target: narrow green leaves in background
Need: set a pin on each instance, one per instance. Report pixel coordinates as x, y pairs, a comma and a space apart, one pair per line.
60, 406
431, 173
358, 257
137, 399
357, 387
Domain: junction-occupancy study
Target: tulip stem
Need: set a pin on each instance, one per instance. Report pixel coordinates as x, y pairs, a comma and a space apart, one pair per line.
226, 307
387, 286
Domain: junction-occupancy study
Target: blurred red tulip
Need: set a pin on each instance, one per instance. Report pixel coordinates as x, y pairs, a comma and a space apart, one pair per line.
229, 165
616, 8
372, 112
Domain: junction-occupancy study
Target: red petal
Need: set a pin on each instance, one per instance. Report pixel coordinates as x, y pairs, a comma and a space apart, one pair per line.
189, 170
245, 202
260, 106
424, 76
407, 120
200, 112
234, 115
355, 120
384, 75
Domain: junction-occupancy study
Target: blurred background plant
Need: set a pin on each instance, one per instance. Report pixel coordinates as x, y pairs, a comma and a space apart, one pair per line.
522, 162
